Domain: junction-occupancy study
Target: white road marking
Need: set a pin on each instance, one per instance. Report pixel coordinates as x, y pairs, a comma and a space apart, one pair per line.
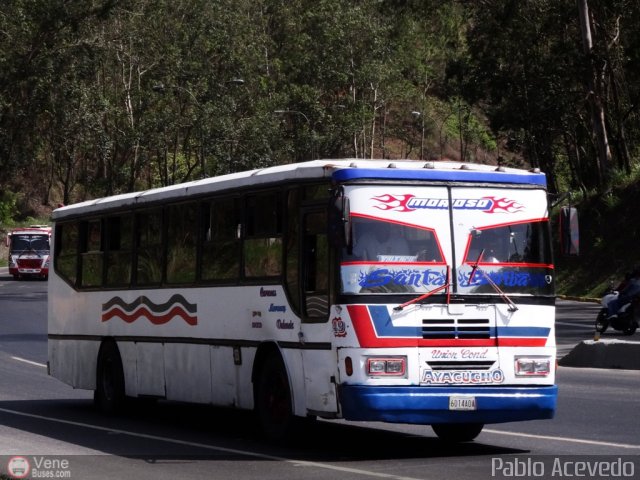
564, 439
296, 463
30, 362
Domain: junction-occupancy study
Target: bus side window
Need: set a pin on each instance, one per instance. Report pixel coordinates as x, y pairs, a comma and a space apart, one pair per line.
91, 254
119, 237
149, 249
66, 252
182, 228
220, 240
263, 240
315, 265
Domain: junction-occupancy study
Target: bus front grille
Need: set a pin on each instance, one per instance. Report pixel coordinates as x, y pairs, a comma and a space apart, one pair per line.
461, 365
29, 262
456, 329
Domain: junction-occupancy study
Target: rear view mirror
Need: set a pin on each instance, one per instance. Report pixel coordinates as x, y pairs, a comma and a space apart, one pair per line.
346, 219
340, 221
569, 231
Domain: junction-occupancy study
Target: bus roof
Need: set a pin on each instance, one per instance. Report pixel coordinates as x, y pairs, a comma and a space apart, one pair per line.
32, 230
345, 170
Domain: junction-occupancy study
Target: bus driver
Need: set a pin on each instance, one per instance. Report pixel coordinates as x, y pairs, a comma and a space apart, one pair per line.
378, 241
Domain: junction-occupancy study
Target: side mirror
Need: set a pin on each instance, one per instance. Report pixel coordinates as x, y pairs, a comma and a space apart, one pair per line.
340, 221
569, 231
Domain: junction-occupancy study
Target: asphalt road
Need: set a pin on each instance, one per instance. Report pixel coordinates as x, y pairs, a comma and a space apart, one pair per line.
44, 421
575, 321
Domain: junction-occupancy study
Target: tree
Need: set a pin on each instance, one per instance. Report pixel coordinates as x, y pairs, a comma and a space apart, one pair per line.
595, 94
108, 96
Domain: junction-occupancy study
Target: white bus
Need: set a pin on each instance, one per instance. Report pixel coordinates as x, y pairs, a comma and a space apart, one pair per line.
404, 291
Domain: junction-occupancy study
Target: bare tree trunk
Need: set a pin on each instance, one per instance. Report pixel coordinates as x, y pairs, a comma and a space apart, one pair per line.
383, 131
373, 120
623, 148
353, 99
573, 155
594, 97
50, 181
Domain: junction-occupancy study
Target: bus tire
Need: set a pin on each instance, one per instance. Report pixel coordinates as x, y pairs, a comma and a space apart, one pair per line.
457, 432
109, 394
272, 398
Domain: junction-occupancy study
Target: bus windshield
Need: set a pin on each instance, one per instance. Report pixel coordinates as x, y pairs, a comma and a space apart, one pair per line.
487, 241
511, 244
391, 257
516, 257
25, 243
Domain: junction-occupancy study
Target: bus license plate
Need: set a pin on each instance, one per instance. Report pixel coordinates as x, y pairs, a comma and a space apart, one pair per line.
462, 403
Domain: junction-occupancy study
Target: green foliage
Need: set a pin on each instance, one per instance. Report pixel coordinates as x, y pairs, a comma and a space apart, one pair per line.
8, 208
608, 233
108, 96
103, 97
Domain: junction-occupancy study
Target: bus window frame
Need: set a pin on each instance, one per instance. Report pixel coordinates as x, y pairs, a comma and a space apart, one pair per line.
306, 202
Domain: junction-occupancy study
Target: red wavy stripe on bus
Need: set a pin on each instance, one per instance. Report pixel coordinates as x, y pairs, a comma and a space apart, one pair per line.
155, 319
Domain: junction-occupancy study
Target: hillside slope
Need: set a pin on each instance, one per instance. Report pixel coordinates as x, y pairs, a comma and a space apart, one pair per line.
609, 243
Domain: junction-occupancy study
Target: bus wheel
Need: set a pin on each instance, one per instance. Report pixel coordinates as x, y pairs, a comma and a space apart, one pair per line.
457, 432
109, 393
272, 397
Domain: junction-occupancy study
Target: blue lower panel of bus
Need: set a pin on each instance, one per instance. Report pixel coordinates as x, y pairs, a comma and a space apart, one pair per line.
430, 405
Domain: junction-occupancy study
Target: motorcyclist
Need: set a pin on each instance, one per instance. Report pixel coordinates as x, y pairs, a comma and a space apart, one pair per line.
628, 289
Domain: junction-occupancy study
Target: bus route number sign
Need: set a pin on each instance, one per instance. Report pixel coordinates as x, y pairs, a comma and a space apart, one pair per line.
459, 402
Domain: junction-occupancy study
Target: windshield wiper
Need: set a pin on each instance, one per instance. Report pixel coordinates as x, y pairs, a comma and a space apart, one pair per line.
446, 285
504, 296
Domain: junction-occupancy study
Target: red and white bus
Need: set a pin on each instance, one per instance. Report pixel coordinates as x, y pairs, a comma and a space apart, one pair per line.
266, 290
29, 251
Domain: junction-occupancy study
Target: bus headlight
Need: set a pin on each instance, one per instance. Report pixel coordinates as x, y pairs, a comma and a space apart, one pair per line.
532, 366
386, 366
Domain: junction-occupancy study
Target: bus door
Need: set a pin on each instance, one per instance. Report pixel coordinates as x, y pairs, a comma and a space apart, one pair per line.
319, 361
315, 265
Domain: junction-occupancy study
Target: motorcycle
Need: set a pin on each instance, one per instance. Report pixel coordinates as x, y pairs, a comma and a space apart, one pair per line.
627, 318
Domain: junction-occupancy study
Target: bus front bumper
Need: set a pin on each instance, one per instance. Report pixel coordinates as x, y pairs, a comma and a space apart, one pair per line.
432, 405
